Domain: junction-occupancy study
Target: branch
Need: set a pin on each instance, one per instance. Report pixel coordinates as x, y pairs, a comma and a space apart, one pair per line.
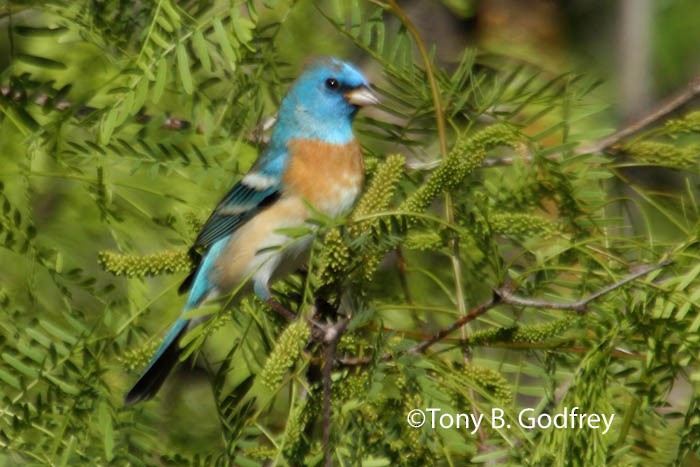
442, 139
682, 97
504, 295
441, 334
331, 335
280, 309
46, 101
661, 110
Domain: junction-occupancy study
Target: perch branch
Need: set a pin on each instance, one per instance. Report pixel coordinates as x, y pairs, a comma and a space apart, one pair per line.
581, 305
504, 295
680, 98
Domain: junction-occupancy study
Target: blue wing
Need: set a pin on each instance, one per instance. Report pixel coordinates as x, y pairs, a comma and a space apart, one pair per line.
254, 192
234, 209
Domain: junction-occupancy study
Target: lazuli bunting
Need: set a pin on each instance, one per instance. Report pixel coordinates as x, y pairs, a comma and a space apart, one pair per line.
312, 157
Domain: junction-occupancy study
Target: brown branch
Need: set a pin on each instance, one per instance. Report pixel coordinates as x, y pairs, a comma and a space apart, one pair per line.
258, 136
280, 309
504, 295
660, 111
47, 101
441, 334
581, 305
680, 98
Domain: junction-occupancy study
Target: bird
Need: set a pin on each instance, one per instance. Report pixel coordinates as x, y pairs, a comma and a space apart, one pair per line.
312, 161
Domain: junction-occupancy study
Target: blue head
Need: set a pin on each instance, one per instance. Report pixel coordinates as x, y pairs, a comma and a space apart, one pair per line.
322, 103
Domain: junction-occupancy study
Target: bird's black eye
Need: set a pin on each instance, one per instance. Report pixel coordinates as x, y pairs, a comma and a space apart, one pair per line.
332, 83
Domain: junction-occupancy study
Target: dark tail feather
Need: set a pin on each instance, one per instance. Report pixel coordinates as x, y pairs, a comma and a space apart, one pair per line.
162, 363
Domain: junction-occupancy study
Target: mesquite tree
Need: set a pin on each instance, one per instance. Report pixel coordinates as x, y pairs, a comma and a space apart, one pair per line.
503, 254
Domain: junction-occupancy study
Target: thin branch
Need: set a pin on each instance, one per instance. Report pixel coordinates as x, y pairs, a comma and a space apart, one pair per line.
429, 71
506, 295
46, 101
331, 335
682, 97
503, 295
441, 334
660, 111
280, 309
442, 137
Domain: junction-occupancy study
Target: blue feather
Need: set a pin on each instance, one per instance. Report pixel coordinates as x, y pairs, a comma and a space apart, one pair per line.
168, 354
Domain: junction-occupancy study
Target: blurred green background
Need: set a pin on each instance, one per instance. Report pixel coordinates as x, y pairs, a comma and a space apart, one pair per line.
76, 184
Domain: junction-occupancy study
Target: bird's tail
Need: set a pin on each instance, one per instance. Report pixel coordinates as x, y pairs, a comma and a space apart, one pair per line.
162, 362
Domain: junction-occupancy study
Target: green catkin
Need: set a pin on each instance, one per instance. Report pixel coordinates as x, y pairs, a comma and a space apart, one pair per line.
260, 453
138, 358
289, 347
379, 193
296, 446
335, 257
350, 387
466, 156
690, 123
424, 241
491, 381
523, 334
521, 225
166, 262
194, 222
663, 154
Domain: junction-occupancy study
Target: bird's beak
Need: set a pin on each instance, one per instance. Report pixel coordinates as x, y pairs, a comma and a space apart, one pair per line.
362, 96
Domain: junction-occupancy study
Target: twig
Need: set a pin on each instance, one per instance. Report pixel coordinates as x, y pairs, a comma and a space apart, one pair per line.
331, 335
663, 109
442, 139
441, 334
506, 295
682, 97
45, 100
280, 309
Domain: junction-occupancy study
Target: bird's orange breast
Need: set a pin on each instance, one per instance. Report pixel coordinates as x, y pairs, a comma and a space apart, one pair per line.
329, 176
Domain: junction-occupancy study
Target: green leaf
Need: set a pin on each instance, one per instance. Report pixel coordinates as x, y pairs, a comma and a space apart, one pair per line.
31, 352
140, 95
107, 127
39, 32
57, 332
23, 117
243, 29
164, 23
41, 62
376, 462
161, 77
38, 337
172, 13
201, 50
63, 385
20, 366
107, 428
224, 43
183, 67
9, 379
67, 452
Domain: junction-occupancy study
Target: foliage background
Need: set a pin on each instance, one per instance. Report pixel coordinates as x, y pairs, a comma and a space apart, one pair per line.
124, 122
